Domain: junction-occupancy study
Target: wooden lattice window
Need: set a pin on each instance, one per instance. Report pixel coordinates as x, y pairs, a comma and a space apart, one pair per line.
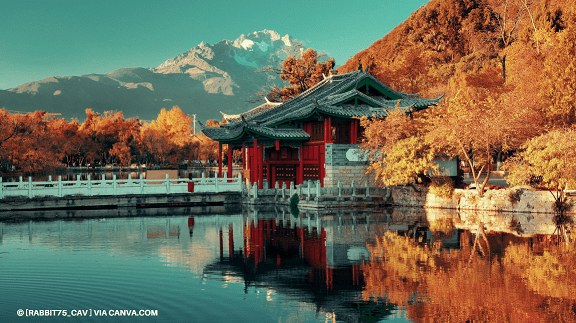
311, 172
285, 173
317, 131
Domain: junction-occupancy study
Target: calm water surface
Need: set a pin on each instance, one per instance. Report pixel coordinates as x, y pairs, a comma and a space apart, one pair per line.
269, 266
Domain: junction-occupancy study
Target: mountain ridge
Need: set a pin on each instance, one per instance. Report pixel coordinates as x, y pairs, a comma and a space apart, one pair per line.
202, 80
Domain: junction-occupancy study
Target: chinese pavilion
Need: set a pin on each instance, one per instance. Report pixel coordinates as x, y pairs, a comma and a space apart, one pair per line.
313, 136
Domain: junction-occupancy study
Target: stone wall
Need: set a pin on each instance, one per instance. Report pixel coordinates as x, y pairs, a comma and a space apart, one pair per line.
509, 200
517, 211
345, 163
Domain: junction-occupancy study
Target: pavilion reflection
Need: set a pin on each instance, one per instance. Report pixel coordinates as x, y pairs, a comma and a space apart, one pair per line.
317, 256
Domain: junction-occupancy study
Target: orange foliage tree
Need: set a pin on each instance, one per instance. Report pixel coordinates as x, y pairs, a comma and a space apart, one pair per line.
301, 69
169, 138
396, 148
101, 132
30, 146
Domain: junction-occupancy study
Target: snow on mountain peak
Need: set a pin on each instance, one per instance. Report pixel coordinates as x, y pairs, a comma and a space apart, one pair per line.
247, 43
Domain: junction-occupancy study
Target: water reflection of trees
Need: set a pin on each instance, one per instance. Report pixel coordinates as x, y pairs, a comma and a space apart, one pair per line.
531, 279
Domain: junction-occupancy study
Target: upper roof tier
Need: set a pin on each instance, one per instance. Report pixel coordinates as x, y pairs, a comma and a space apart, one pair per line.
353, 94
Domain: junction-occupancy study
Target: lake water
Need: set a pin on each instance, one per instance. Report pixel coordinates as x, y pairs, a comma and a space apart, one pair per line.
269, 266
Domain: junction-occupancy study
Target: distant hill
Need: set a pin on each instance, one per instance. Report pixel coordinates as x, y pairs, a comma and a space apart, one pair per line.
202, 81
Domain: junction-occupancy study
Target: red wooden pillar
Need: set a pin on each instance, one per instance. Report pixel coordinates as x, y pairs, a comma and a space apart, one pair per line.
300, 170
328, 130
260, 167
268, 172
255, 162
244, 157
219, 159
229, 160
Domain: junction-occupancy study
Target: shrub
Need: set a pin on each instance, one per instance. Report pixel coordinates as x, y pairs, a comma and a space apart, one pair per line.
294, 205
442, 186
514, 196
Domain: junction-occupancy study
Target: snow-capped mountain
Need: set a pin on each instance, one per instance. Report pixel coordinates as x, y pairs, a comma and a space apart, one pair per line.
203, 80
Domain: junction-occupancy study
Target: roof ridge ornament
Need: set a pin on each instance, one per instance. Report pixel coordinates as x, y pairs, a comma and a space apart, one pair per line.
202, 126
315, 102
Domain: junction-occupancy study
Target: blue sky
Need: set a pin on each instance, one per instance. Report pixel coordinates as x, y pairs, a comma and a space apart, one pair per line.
39, 39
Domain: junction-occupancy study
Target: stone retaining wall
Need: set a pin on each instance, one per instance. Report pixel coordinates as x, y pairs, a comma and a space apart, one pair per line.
509, 200
344, 164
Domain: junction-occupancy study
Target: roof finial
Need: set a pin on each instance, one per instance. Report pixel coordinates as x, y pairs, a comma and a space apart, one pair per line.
266, 98
359, 65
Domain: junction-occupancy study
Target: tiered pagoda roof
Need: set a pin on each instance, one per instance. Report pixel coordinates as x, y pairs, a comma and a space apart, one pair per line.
337, 95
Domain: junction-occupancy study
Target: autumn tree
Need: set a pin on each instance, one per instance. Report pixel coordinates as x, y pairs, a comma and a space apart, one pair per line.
302, 69
549, 158
69, 139
477, 123
558, 88
32, 147
169, 137
101, 132
396, 148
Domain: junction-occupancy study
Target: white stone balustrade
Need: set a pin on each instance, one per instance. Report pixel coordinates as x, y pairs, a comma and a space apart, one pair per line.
116, 186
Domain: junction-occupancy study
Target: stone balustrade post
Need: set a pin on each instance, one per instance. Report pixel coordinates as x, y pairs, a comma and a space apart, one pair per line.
167, 184
29, 186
